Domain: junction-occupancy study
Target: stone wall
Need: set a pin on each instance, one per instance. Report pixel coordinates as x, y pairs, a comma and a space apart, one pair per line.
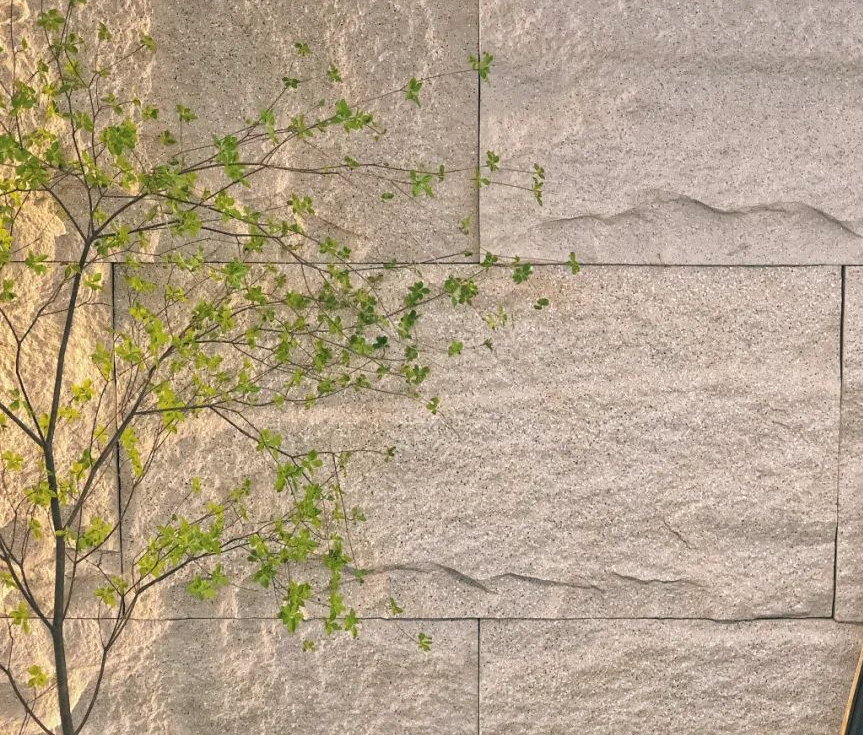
644, 513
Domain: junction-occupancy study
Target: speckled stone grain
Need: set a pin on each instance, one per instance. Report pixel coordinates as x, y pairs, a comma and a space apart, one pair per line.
665, 677
658, 442
721, 132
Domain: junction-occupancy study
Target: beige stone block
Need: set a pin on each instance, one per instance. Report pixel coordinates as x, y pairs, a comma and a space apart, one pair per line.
657, 442
225, 60
849, 571
720, 133
227, 64
665, 677
206, 677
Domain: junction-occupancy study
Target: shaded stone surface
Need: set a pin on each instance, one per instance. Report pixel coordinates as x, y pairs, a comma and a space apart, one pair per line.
698, 134
665, 677
658, 442
849, 540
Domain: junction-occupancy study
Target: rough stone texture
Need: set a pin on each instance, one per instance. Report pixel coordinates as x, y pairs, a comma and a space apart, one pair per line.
22, 651
665, 677
662, 442
206, 677
197, 677
377, 47
36, 317
702, 133
666, 447
659, 442
849, 571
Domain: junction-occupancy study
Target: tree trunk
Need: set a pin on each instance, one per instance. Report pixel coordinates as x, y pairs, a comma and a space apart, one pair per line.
58, 640
67, 727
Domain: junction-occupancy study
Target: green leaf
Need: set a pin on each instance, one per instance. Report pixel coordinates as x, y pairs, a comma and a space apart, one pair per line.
7, 293
94, 534
185, 114
333, 74
148, 43
481, 65
107, 595
492, 160
574, 267
538, 182
290, 82
104, 33
12, 461
290, 612
103, 361
455, 348
120, 138
21, 617
479, 180
424, 641
421, 183
38, 678
302, 49
412, 90
351, 623
522, 272
51, 20
541, 303
36, 263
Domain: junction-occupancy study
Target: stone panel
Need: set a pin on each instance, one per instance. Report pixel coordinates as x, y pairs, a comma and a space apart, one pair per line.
227, 65
377, 47
694, 134
665, 677
657, 442
208, 677
203, 677
849, 541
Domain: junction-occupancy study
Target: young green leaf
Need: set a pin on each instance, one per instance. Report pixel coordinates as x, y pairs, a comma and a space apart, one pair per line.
481, 65
412, 90
424, 642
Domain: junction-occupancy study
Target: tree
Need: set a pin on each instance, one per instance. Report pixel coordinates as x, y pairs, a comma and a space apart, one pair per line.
197, 335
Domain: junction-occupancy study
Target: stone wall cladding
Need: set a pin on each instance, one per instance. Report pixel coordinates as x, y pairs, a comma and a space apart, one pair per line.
642, 513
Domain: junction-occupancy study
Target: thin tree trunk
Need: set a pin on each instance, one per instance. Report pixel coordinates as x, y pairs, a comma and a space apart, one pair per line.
58, 640
67, 727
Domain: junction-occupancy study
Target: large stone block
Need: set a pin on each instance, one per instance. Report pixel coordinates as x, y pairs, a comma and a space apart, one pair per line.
657, 442
227, 62
677, 134
209, 677
849, 540
665, 677
204, 677
227, 65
